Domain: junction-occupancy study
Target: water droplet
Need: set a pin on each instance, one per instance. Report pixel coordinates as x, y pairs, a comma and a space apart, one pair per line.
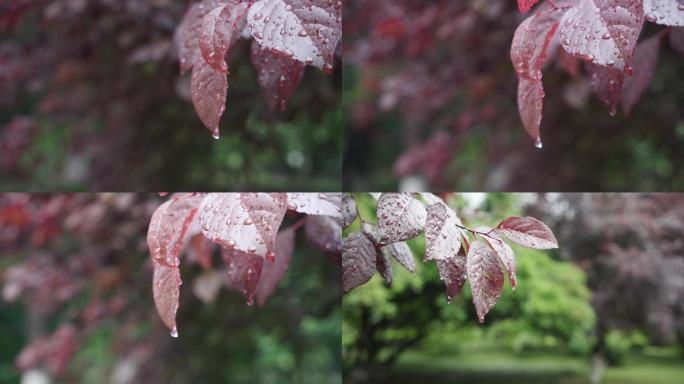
538, 143
174, 332
216, 134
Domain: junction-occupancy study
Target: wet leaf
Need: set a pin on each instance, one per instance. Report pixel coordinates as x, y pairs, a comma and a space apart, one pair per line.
526, 5
277, 74
209, 89
486, 278
528, 232
603, 32
348, 210
246, 222
400, 250
665, 12
503, 252
219, 30
273, 271
400, 217
168, 227
442, 236
606, 83
305, 30
243, 271
166, 283
384, 266
645, 62
324, 232
186, 37
358, 260
327, 204
452, 272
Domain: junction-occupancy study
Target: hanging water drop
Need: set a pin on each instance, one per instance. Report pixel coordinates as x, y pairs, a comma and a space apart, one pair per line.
174, 333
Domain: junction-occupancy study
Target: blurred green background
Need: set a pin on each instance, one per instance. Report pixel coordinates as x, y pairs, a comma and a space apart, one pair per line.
543, 332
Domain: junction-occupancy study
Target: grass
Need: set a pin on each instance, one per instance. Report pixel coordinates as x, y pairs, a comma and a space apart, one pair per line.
653, 366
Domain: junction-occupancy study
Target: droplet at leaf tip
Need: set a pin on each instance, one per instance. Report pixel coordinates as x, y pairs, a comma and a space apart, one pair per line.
174, 333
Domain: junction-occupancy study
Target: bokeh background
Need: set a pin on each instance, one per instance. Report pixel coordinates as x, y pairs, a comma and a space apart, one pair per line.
92, 99
606, 307
429, 95
76, 304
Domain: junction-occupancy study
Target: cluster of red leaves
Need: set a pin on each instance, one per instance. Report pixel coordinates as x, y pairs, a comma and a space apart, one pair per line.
460, 253
287, 35
601, 33
255, 251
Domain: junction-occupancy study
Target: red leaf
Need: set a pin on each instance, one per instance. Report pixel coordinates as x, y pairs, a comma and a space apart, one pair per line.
603, 31
442, 236
645, 61
327, 204
246, 222
400, 251
503, 252
168, 226
665, 12
305, 30
526, 5
278, 75
243, 271
325, 233
55, 350
384, 266
677, 39
273, 271
452, 272
219, 31
528, 232
358, 260
166, 283
530, 104
606, 83
209, 89
486, 278
348, 210
400, 217
187, 34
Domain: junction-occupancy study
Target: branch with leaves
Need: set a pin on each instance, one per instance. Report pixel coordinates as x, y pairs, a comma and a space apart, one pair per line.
480, 255
600, 33
246, 226
287, 35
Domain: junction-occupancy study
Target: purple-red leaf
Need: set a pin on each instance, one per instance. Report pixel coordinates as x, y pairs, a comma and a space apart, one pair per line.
677, 39
603, 31
273, 271
606, 83
209, 89
486, 277
348, 210
219, 31
665, 12
442, 236
305, 30
530, 104
358, 260
400, 251
644, 66
166, 283
503, 252
187, 34
326, 204
452, 272
526, 5
384, 266
246, 222
400, 217
531, 42
277, 74
324, 232
243, 271
168, 227
528, 232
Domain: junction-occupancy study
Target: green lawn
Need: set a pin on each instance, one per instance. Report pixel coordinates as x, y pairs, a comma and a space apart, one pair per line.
654, 366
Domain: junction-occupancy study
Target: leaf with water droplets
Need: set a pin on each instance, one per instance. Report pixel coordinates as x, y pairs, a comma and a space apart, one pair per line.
273, 271
247, 222
166, 283
384, 266
348, 210
209, 89
503, 252
528, 232
186, 37
243, 271
486, 277
603, 32
442, 236
325, 233
168, 227
452, 272
644, 66
358, 260
327, 204
219, 31
305, 30
526, 5
400, 250
278, 75
665, 12
530, 104
431, 198
606, 83
400, 217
